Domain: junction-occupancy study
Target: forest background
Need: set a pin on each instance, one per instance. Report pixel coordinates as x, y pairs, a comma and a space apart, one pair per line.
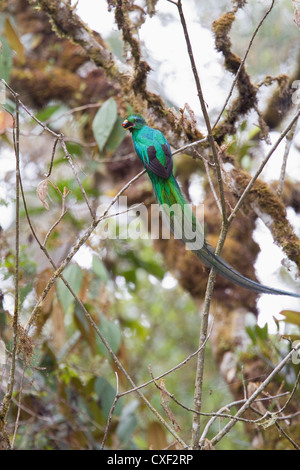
131, 343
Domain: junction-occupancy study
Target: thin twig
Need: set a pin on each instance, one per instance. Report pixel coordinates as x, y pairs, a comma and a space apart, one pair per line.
111, 411
200, 360
243, 63
251, 399
63, 213
292, 393
73, 251
262, 165
282, 431
58, 137
58, 273
19, 407
72, 111
210, 137
190, 146
288, 144
69, 158
5, 405
129, 156
52, 158
212, 275
220, 414
207, 169
269, 418
20, 103
178, 366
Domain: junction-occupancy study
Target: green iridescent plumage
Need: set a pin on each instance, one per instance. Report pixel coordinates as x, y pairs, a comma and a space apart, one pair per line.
154, 151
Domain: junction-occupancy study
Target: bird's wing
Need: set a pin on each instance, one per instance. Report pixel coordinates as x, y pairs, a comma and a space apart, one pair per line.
154, 151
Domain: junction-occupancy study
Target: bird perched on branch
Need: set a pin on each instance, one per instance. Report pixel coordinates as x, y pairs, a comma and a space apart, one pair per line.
154, 151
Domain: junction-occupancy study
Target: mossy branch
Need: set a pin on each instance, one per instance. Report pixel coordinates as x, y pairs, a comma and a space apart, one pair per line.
6, 402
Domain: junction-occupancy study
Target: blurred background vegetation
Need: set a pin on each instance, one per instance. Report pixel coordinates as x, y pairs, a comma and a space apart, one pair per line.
145, 297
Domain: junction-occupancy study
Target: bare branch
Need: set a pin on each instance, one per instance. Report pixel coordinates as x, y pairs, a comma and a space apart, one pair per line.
111, 411
5, 404
288, 144
243, 63
257, 392
262, 165
210, 137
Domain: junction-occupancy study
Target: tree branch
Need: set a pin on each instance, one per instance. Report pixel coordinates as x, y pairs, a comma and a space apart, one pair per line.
5, 404
251, 399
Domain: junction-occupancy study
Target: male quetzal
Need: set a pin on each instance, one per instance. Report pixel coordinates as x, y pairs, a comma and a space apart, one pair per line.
154, 151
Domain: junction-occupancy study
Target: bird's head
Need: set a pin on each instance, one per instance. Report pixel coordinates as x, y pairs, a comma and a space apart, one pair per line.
134, 122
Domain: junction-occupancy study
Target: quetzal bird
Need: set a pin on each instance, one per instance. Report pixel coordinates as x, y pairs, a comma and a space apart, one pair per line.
154, 151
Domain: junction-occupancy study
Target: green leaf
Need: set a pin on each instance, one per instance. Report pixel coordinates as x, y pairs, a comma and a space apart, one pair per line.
115, 138
115, 44
149, 265
251, 333
291, 316
73, 275
106, 395
47, 112
5, 59
67, 373
14, 40
262, 332
24, 291
111, 333
81, 322
9, 105
258, 334
99, 268
74, 148
129, 275
127, 421
104, 122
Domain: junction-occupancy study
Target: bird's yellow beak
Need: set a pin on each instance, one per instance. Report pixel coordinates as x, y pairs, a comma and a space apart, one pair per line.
127, 124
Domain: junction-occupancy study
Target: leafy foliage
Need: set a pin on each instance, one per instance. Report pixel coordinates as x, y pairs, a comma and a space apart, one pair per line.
66, 379
107, 127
